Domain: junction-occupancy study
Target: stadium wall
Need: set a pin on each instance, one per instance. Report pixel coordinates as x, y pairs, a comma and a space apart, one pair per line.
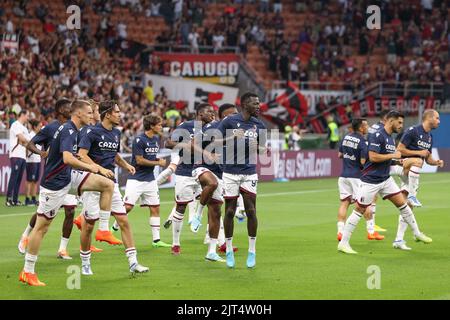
292, 165
441, 135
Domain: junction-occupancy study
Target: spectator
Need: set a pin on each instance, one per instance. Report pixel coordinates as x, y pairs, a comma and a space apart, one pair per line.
277, 6
264, 6
218, 40
193, 40
332, 132
149, 93
18, 139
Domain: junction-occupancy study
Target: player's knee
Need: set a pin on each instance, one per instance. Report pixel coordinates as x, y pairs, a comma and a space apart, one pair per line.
418, 162
181, 208
109, 185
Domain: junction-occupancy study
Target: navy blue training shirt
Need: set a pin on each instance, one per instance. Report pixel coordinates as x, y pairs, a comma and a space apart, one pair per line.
103, 145
209, 133
185, 131
353, 148
416, 138
57, 175
147, 148
382, 143
45, 136
235, 162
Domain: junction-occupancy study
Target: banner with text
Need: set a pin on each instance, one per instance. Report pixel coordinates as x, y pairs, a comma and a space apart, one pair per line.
213, 68
371, 107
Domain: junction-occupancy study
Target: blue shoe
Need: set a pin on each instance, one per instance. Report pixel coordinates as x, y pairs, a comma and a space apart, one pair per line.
230, 259
214, 257
251, 260
414, 201
196, 224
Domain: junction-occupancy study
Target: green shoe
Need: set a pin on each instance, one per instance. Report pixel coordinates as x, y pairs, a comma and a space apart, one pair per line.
160, 244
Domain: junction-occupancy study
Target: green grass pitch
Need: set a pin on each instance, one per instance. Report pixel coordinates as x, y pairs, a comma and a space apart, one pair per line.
296, 253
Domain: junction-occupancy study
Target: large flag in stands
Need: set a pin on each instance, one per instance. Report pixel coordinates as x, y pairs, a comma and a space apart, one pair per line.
288, 108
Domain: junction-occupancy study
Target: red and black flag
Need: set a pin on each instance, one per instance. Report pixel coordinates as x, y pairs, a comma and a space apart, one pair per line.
288, 108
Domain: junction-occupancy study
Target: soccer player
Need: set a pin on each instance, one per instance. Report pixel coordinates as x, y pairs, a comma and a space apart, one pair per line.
100, 147
372, 130
417, 143
142, 185
239, 170
103, 233
208, 182
375, 179
353, 151
209, 175
44, 138
186, 186
33, 167
58, 180
18, 139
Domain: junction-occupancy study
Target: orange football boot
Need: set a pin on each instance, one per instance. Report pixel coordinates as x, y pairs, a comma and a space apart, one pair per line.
31, 279
375, 236
77, 221
107, 236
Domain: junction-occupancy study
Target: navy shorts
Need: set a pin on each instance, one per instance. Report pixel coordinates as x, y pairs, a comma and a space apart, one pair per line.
33, 171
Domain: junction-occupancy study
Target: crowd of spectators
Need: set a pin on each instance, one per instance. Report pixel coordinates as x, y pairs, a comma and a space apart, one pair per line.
414, 38
74, 64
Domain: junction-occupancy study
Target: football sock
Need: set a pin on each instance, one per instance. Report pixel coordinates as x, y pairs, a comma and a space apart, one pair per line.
229, 242
401, 229
409, 218
177, 222
30, 261
85, 257
350, 226
251, 244
27, 231
63, 244
155, 224
414, 175
104, 220
212, 246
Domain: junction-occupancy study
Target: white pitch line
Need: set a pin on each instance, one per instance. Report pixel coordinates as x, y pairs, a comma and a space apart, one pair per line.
259, 196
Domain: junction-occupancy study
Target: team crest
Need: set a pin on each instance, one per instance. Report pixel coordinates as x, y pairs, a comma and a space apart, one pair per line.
103, 137
238, 124
70, 131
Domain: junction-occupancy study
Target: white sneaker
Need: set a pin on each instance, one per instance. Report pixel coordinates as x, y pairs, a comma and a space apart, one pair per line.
137, 268
414, 201
86, 270
422, 237
345, 248
214, 257
401, 244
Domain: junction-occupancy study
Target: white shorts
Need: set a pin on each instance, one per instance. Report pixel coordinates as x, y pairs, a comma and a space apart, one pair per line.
50, 201
237, 183
366, 192
91, 204
348, 188
218, 193
186, 189
70, 201
146, 191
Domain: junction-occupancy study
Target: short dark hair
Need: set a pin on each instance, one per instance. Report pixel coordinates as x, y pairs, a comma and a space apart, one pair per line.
246, 97
151, 120
78, 104
393, 114
383, 113
23, 111
357, 123
61, 103
106, 107
202, 106
224, 107
34, 123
